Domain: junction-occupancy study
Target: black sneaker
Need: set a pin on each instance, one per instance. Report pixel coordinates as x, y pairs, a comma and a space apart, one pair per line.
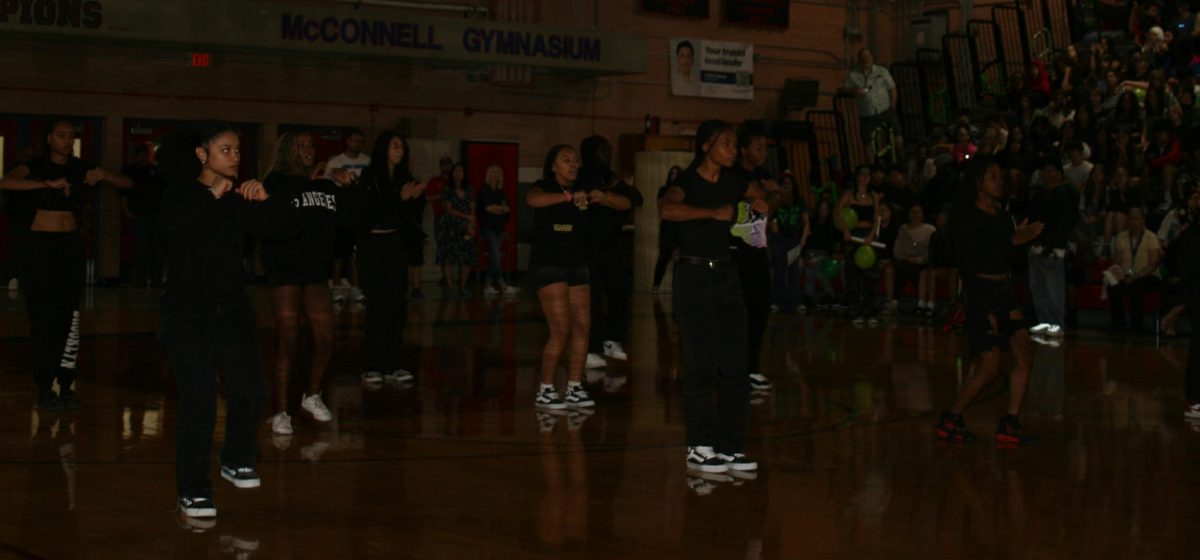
704, 459
69, 400
49, 402
952, 428
1010, 433
577, 396
738, 462
197, 506
242, 477
548, 398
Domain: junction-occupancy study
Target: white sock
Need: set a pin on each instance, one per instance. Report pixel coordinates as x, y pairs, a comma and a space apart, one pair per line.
574, 384
545, 386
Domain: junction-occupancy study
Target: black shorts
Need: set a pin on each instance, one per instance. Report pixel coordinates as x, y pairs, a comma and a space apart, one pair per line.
297, 275
546, 275
343, 243
989, 306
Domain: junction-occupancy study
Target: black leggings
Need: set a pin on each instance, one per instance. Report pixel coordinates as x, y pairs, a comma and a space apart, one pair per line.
383, 277
755, 275
200, 340
53, 281
666, 252
609, 277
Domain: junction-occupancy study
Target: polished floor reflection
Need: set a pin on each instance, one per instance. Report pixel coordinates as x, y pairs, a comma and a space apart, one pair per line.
458, 464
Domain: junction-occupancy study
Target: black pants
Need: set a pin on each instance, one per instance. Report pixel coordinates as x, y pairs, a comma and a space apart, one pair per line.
754, 271
53, 274
610, 286
147, 253
666, 252
383, 278
712, 326
1134, 291
1193, 364
200, 340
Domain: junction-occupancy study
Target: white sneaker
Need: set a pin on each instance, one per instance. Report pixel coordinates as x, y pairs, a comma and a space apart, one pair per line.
372, 377
491, 291
594, 361
339, 294
510, 290
704, 459
357, 294
613, 350
14, 285
281, 424
1054, 331
1040, 328
1192, 410
759, 382
398, 376
313, 405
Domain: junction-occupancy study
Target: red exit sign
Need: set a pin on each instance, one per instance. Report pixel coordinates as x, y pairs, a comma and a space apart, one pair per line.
201, 60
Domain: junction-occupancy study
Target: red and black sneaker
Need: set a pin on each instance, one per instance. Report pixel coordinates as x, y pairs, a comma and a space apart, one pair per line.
952, 428
1010, 433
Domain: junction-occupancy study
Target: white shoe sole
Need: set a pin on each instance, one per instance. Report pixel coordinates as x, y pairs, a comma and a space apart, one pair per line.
241, 483
318, 415
582, 404
547, 406
711, 469
596, 364
199, 512
743, 468
1192, 415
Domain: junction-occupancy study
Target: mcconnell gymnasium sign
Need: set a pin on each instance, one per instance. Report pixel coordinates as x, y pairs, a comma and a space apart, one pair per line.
258, 25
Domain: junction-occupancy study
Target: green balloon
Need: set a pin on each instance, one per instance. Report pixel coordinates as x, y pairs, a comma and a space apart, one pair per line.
849, 218
830, 268
1140, 93
864, 257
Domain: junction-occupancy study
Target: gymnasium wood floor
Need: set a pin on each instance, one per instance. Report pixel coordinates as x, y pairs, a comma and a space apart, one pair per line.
459, 466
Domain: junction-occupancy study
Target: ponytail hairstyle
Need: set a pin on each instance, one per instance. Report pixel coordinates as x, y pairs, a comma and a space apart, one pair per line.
50, 124
707, 133
176, 155
284, 160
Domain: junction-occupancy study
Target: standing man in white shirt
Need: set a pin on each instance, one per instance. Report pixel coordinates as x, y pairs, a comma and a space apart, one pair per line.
354, 161
876, 92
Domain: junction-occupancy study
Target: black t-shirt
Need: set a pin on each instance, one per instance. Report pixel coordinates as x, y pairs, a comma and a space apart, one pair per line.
668, 231
146, 195
984, 241
559, 231
41, 168
491, 197
604, 223
380, 205
707, 238
316, 203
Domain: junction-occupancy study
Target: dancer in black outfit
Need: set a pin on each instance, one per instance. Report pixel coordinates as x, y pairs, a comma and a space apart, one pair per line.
668, 234
608, 258
709, 302
53, 261
298, 270
559, 269
752, 262
384, 195
987, 240
207, 318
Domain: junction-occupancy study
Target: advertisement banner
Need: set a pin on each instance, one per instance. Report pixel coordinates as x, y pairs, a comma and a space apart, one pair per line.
719, 69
